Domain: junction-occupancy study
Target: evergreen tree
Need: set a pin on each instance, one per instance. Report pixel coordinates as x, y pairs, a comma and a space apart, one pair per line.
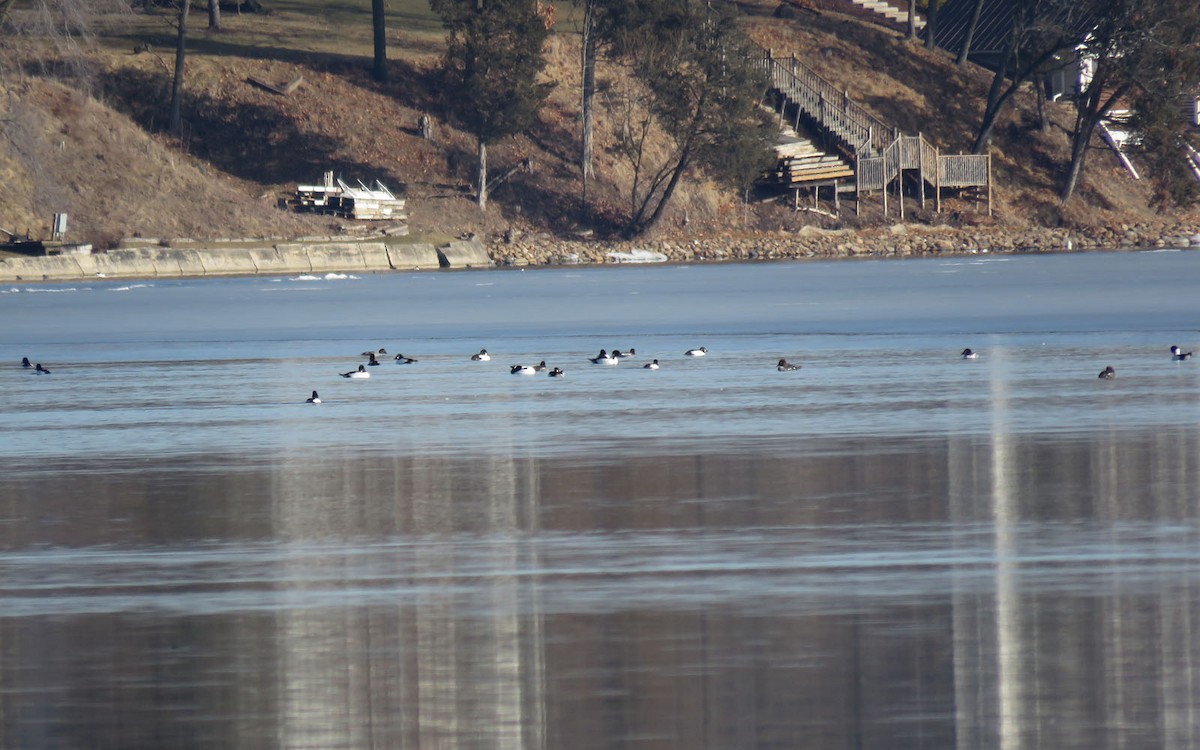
490, 70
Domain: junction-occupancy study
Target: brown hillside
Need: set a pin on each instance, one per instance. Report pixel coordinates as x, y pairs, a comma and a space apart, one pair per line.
101, 156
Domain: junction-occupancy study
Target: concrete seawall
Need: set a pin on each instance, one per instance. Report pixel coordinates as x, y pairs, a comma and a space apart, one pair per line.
281, 258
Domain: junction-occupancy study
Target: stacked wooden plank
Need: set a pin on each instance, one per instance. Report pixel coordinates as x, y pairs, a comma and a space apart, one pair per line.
799, 161
351, 202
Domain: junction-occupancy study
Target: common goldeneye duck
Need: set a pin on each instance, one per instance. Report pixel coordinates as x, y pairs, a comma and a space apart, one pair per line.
556, 373
1177, 354
785, 366
968, 354
313, 399
361, 372
522, 370
25, 362
1108, 373
540, 366
650, 365
696, 352
621, 355
482, 356
39, 370
403, 360
372, 361
372, 354
604, 359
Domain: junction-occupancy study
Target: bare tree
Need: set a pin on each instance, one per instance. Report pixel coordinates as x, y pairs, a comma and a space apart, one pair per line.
214, 15
68, 26
1039, 33
701, 101
1139, 50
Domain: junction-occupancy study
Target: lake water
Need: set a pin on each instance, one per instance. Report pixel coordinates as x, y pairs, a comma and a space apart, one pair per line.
891, 547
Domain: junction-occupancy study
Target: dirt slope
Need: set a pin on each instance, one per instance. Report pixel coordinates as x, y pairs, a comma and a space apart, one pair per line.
102, 157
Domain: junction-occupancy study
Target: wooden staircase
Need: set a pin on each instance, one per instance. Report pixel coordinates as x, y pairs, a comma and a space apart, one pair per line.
881, 155
889, 11
801, 162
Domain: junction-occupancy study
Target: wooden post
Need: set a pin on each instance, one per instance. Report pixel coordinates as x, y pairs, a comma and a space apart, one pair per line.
989, 183
837, 209
884, 189
900, 176
937, 186
921, 168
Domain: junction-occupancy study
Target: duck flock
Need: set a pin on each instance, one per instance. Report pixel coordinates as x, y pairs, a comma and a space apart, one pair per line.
604, 358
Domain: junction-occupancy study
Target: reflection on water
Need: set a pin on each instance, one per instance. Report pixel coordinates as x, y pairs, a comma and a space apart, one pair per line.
891, 548
963, 592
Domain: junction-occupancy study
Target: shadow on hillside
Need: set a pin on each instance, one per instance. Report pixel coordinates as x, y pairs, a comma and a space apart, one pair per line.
249, 141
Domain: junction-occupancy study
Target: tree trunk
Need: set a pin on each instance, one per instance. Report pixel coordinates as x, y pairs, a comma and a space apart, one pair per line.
482, 186
1093, 106
214, 15
1079, 148
997, 96
931, 25
174, 121
588, 94
912, 19
1043, 115
379, 26
965, 50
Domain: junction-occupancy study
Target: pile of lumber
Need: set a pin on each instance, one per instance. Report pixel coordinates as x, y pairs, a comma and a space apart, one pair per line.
334, 196
800, 161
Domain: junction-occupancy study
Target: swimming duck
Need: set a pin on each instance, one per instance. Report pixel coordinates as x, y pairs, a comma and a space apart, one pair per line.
360, 373
25, 362
556, 373
785, 366
482, 356
40, 370
372, 354
1108, 373
968, 354
403, 360
313, 399
522, 370
650, 365
696, 352
540, 366
372, 362
621, 355
604, 359
1179, 355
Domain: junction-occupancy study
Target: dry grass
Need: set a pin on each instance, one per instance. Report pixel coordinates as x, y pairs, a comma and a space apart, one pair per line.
102, 157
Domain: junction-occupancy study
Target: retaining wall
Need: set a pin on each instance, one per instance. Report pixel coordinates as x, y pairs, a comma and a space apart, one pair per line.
282, 258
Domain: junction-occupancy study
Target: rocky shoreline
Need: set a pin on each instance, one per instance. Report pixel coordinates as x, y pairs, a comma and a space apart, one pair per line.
900, 241
351, 255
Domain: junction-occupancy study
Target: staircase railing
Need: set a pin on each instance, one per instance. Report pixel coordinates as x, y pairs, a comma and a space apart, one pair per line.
830, 106
881, 153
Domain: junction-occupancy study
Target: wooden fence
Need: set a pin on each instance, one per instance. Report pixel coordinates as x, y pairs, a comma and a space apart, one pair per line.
881, 154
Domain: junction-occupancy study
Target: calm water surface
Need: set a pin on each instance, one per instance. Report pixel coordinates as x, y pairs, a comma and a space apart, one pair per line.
892, 547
